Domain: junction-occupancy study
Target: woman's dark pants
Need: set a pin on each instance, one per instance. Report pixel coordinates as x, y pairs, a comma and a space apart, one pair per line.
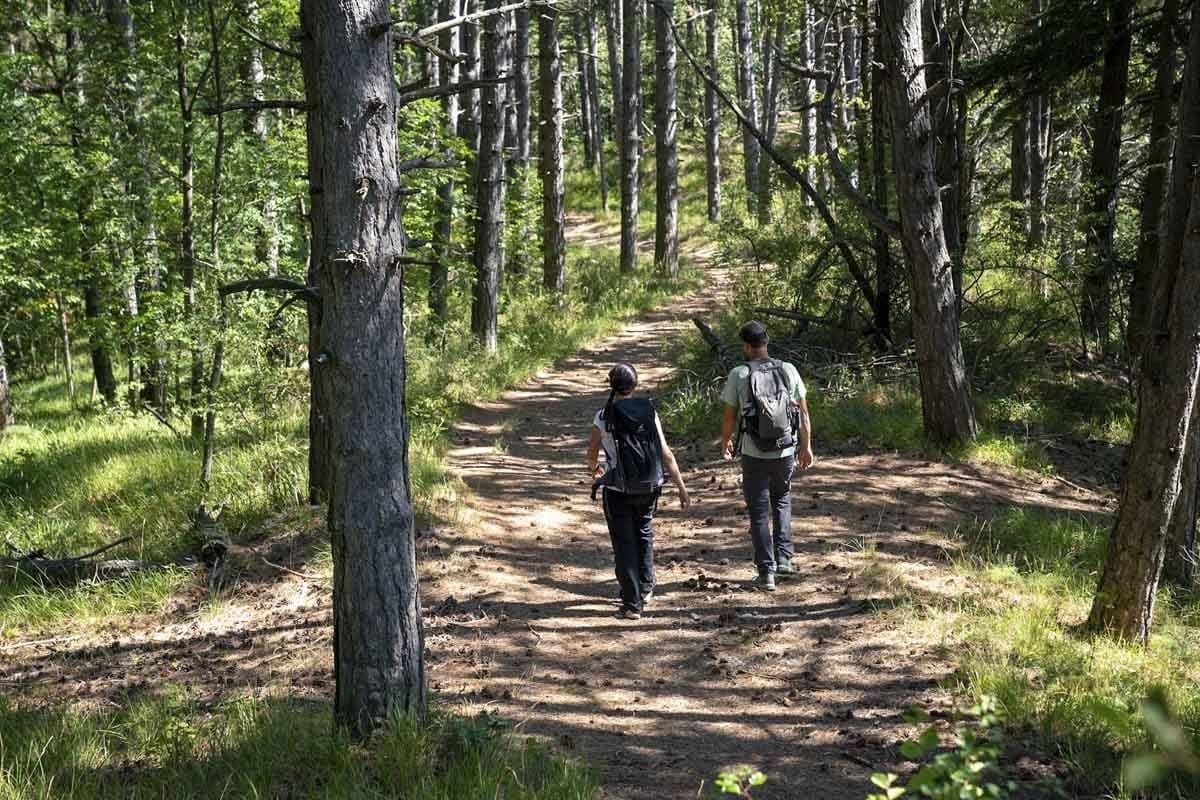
630, 525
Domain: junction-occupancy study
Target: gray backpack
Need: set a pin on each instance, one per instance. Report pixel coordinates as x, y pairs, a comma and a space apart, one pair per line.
770, 417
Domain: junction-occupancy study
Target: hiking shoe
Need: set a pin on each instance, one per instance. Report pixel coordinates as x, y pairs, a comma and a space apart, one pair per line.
647, 596
765, 581
629, 613
783, 566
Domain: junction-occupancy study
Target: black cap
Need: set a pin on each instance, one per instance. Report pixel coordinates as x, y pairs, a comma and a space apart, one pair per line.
753, 333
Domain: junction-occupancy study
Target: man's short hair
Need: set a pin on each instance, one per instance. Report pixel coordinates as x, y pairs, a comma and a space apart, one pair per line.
754, 333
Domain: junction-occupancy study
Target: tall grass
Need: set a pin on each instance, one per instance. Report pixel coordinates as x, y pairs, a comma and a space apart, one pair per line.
169, 745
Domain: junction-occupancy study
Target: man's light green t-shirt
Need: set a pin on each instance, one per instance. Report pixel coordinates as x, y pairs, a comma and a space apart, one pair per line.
737, 395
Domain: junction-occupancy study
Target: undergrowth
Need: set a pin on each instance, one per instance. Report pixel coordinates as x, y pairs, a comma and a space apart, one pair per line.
170, 745
1017, 635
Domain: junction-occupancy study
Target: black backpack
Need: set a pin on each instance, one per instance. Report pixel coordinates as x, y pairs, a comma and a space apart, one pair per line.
771, 418
638, 468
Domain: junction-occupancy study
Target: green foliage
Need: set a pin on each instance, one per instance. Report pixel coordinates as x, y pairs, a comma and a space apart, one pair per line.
739, 781
170, 745
1014, 636
968, 771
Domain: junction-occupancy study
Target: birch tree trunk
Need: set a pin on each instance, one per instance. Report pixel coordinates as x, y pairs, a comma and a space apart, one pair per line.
554, 238
614, 32
666, 156
1101, 214
946, 408
631, 100
352, 112
1124, 603
712, 120
808, 118
490, 187
64, 335
5, 396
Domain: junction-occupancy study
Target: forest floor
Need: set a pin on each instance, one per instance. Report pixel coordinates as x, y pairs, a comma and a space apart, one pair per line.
809, 684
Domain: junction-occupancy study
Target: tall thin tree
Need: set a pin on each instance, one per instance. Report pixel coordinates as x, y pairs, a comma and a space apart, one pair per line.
550, 137
666, 155
712, 121
353, 114
631, 101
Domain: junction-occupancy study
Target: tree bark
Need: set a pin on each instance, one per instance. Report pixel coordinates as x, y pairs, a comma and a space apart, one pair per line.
586, 127
1179, 564
1105, 168
666, 155
631, 100
772, 78
589, 26
948, 118
439, 273
352, 113
489, 188
614, 32
881, 307
948, 414
712, 121
469, 118
5, 396
808, 120
744, 47
1154, 183
521, 97
1124, 603
1039, 161
64, 335
554, 238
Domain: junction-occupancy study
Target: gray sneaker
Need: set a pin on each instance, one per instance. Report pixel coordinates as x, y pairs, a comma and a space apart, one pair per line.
783, 566
765, 581
628, 613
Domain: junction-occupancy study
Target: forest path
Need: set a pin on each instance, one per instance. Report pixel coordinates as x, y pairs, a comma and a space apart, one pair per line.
806, 684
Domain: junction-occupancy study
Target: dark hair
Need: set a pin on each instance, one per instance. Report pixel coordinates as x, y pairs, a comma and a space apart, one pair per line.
754, 333
623, 379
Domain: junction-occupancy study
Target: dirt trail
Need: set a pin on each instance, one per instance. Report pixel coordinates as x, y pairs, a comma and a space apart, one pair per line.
807, 684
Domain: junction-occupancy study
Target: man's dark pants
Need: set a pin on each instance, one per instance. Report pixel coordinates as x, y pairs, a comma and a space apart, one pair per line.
630, 519
766, 484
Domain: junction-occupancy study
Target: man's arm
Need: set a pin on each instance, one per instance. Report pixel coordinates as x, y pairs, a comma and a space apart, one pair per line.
728, 424
805, 452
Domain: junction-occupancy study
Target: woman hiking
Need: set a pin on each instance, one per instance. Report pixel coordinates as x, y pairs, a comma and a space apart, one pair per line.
628, 430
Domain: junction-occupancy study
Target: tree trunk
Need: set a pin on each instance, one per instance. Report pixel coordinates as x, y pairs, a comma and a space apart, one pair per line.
521, 98
631, 100
1179, 565
5, 397
881, 307
469, 118
666, 156
439, 273
946, 407
772, 78
1039, 162
351, 95
589, 27
64, 335
744, 47
1154, 184
1124, 603
614, 32
102, 366
948, 119
1105, 168
489, 187
554, 241
712, 121
808, 119
1018, 188
586, 127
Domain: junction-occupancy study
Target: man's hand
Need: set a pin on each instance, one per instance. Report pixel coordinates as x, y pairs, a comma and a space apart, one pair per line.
727, 450
806, 458
685, 501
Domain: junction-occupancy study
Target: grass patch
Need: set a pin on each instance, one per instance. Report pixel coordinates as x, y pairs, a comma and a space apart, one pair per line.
1017, 637
169, 746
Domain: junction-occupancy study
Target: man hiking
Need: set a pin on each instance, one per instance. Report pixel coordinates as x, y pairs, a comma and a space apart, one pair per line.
765, 403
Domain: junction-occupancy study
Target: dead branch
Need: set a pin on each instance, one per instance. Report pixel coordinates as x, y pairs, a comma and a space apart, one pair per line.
444, 89
158, 416
274, 48
308, 293
438, 27
255, 105
426, 162
417, 41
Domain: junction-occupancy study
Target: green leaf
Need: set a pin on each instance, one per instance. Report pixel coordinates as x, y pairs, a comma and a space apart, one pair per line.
884, 780
757, 779
912, 751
